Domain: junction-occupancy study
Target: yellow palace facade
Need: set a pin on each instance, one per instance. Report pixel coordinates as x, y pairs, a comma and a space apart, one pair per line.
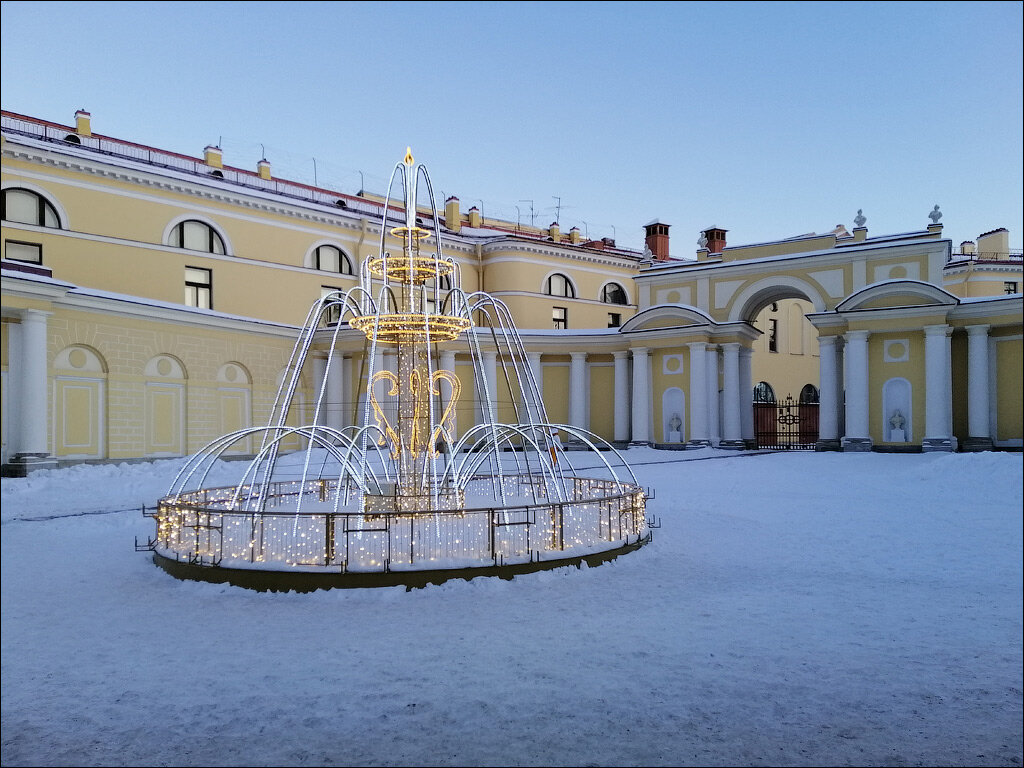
151, 301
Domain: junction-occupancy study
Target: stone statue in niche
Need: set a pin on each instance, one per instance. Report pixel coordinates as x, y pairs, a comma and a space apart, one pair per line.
860, 221
896, 422
675, 424
935, 215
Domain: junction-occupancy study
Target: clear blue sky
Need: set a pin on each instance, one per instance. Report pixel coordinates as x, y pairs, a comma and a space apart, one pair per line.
767, 119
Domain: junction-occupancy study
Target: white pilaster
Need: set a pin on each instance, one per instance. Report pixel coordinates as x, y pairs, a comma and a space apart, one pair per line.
979, 432
578, 389
621, 396
732, 425
698, 394
641, 396
711, 388
830, 393
858, 435
938, 395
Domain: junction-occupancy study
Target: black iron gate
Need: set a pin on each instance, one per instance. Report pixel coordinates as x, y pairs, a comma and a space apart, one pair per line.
786, 426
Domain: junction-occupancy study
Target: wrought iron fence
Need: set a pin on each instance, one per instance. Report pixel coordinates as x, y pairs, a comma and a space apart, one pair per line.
786, 426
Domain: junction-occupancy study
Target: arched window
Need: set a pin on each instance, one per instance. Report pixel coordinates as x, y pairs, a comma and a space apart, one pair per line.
809, 394
196, 236
559, 285
763, 393
330, 258
613, 293
26, 207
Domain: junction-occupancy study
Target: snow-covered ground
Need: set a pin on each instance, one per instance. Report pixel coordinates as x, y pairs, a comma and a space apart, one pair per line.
800, 609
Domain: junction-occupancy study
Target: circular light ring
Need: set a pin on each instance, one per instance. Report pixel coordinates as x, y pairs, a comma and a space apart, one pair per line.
399, 268
418, 233
396, 329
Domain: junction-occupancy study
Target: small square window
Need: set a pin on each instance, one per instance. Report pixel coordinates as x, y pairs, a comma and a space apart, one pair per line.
199, 287
614, 319
559, 318
17, 251
333, 314
1010, 286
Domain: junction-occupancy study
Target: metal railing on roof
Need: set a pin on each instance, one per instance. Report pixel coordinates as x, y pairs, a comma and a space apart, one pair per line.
1013, 255
173, 161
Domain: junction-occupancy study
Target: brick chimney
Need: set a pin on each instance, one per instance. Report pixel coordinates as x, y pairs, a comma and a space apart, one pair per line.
657, 239
716, 239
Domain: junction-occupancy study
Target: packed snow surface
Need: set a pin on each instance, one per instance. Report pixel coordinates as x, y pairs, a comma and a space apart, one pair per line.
793, 609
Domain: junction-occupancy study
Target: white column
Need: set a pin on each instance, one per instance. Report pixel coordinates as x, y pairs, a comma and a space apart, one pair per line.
698, 394
489, 405
858, 435
319, 374
447, 363
979, 432
536, 413
578, 389
732, 427
747, 394
830, 393
938, 396
641, 397
33, 449
345, 390
333, 397
621, 396
711, 388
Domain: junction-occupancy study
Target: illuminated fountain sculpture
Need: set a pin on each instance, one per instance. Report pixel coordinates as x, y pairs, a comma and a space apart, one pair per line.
400, 498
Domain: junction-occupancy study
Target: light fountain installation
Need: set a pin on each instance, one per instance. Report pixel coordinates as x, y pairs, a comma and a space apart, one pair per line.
400, 498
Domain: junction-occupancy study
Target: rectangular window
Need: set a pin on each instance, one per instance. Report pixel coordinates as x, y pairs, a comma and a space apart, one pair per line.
198, 287
333, 314
560, 318
773, 335
614, 319
17, 251
1008, 287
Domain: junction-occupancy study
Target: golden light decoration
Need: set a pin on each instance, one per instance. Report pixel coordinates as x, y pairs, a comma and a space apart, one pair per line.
407, 327
418, 441
409, 269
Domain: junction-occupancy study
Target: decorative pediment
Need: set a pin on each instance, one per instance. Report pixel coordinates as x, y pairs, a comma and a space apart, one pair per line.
897, 293
666, 316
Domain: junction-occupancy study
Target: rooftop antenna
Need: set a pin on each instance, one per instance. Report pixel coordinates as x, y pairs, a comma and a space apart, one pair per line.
518, 217
315, 184
482, 219
558, 208
586, 228
532, 215
362, 186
